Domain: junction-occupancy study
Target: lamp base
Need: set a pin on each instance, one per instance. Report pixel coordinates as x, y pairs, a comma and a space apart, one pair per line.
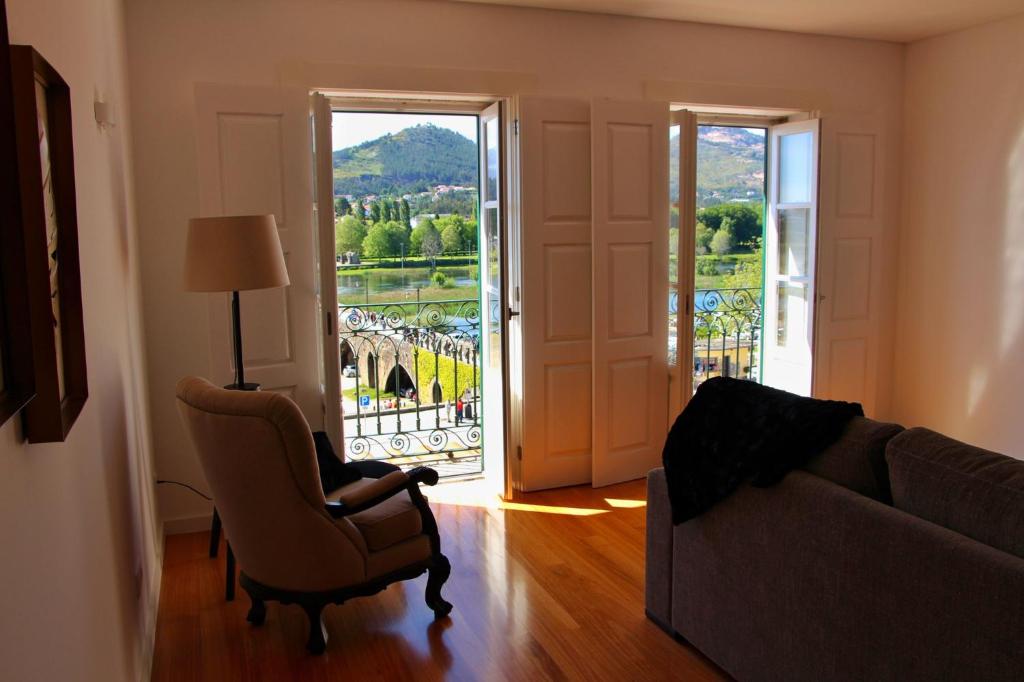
244, 387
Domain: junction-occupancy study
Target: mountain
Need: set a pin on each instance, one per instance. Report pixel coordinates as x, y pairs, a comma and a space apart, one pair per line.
412, 160
730, 165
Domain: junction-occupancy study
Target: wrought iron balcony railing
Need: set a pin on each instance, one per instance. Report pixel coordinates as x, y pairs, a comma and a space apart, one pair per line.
412, 363
727, 326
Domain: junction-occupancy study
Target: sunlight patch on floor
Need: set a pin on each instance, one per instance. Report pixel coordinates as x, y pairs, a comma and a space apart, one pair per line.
625, 504
475, 493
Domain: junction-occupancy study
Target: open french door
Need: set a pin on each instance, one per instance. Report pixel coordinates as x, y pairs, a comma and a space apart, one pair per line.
494, 309
327, 282
790, 256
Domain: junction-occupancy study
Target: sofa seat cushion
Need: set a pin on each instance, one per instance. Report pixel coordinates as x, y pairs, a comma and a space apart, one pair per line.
857, 460
969, 490
388, 523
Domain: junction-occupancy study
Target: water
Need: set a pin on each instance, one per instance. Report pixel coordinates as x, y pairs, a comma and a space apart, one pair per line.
397, 280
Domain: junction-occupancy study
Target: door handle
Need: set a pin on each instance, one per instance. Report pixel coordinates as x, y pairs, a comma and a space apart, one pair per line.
512, 313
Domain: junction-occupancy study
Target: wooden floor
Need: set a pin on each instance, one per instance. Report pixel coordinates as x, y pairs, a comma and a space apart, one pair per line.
548, 587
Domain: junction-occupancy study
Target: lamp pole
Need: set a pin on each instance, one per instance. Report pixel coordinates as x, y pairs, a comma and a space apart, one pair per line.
236, 329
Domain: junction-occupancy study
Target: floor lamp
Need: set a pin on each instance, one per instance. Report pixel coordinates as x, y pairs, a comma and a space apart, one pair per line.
233, 253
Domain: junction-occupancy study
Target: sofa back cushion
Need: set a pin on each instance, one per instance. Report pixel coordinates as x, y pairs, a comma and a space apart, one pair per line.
974, 492
857, 460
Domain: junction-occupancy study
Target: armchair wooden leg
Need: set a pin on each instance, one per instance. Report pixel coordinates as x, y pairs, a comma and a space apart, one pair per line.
317, 642
214, 534
258, 611
229, 587
437, 575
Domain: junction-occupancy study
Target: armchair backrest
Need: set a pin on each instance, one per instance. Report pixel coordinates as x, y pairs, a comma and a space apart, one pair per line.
257, 452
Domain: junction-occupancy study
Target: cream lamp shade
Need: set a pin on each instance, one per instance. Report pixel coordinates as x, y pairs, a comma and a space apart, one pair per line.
234, 253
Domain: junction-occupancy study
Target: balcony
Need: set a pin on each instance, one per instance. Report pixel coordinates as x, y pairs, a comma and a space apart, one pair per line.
405, 368
727, 325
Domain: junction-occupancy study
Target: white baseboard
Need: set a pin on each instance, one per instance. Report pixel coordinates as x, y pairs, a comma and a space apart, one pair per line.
188, 524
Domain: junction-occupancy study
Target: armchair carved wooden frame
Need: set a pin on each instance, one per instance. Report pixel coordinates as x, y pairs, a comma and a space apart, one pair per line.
294, 544
313, 603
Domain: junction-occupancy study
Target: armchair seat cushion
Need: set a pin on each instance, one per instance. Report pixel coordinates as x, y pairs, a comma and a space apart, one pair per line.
385, 524
395, 557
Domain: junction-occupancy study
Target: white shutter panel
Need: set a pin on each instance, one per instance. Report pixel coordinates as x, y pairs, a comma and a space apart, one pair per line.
630, 275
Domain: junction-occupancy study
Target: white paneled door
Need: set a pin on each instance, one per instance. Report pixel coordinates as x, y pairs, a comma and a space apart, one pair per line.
556, 292
254, 158
629, 154
853, 246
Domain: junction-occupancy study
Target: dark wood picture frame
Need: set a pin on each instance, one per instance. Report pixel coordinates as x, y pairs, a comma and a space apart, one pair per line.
17, 377
46, 178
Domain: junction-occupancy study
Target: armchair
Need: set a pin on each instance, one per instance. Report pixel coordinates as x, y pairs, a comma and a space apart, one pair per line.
293, 544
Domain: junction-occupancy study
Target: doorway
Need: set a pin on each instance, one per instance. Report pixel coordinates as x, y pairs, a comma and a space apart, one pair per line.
410, 230
742, 235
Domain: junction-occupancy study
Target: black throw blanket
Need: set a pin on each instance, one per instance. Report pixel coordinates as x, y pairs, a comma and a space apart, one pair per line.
733, 430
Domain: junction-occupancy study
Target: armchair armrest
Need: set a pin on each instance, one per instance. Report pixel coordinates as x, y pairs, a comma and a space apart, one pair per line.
381, 489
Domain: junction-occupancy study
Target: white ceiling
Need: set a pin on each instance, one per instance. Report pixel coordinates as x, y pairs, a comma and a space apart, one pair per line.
895, 20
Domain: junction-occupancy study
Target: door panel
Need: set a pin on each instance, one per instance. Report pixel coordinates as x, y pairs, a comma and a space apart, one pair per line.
494, 306
853, 309
682, 278
327, 280
629, 144
253, 158
791, 257
556, 292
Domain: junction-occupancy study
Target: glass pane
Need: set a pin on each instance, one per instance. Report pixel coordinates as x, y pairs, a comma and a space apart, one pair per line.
673, 204
793, 238
792, 313
795, 168
491, 140
491, 234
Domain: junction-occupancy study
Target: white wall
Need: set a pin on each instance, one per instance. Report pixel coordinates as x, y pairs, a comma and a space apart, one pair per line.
960, 353
174, 44
80, 566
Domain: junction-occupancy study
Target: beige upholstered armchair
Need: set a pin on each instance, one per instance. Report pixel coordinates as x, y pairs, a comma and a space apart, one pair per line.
294, 545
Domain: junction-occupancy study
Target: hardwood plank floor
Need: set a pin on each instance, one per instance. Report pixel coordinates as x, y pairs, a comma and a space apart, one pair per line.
547, 587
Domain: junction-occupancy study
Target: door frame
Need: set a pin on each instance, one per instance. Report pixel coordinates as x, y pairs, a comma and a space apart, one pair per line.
681, 386
456, 103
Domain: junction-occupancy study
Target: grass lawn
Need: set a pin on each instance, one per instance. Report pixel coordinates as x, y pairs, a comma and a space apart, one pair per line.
374, 394
426, 294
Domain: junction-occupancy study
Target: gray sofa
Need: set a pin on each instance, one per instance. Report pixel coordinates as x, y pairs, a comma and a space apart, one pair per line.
894, 555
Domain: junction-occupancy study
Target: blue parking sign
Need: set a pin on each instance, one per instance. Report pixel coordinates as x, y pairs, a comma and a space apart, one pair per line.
364, 401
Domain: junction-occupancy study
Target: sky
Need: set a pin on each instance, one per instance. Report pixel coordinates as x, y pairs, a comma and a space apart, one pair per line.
348, 129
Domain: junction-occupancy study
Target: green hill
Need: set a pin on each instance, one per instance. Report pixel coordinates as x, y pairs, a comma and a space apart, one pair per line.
730, 165
413, 160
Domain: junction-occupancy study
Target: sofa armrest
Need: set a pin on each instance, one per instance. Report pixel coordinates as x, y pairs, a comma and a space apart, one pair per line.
658, 566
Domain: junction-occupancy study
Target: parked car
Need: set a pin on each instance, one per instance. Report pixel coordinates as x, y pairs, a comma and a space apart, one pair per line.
348, 371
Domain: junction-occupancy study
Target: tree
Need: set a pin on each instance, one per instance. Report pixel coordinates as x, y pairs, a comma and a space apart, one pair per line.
349, 233
704, 235
404, 214
748, 273
384, 240
342, 207
375, 212
470, 235
746, 221
358, 212
416, 238
457, 237
431, 245
721, 243
451, 238
385, 211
